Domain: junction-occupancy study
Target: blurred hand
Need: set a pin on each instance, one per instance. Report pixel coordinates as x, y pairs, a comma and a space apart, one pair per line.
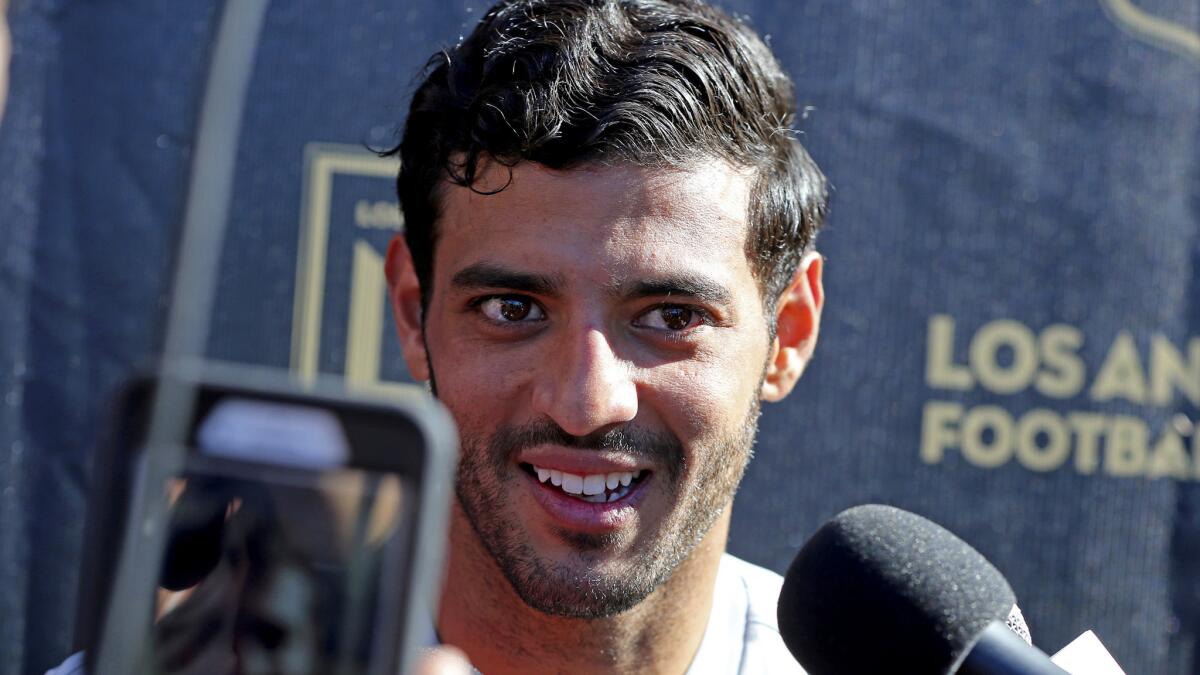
443, 660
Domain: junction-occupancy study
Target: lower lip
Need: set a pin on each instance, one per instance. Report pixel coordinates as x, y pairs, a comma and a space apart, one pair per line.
576, 514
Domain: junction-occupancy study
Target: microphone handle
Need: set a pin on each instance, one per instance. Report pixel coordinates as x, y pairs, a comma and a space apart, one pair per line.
999, 651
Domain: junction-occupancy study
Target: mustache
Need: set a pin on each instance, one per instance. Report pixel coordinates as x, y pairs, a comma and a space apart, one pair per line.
629, 439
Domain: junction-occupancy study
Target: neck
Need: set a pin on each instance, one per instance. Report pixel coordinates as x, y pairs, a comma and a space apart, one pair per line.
482, 615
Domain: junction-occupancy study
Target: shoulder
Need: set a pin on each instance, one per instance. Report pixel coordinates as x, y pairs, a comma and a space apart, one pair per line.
763, 649
760, 586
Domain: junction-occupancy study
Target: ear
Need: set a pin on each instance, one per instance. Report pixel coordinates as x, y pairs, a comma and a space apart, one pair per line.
404, 293
797, 320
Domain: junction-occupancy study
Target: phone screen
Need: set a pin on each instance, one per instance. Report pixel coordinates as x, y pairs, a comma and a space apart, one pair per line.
278, 555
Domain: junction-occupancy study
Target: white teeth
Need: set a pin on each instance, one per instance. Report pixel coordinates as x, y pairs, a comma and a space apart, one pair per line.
593, 484
572, 484
592, 487
618, 493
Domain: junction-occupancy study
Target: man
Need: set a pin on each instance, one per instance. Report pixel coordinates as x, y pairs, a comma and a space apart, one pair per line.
607, 265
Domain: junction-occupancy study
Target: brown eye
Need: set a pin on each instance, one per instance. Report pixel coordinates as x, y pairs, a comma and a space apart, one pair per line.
670, 318
514, 310
676, 318
511, 309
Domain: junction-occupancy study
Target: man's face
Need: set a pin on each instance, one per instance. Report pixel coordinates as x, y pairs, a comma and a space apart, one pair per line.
598, 328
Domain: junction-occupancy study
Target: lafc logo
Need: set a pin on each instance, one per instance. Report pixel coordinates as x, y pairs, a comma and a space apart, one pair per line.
1156, 30
1080, 414
340, 323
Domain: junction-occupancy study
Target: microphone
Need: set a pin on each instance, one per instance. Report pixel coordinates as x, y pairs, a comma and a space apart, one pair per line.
878, 589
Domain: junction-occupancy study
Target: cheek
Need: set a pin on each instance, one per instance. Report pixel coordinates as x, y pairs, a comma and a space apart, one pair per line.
477, 383
707, 398
477, 373
460, 356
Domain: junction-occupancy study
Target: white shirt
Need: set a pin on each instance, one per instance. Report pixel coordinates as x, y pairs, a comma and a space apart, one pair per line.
742, 637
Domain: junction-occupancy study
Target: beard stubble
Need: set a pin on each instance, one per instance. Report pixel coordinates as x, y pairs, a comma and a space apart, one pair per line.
580, 587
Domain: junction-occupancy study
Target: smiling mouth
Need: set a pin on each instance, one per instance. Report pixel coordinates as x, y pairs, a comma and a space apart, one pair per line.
599, 488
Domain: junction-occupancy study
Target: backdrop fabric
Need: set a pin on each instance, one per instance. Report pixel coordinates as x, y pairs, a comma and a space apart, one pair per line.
1011, 344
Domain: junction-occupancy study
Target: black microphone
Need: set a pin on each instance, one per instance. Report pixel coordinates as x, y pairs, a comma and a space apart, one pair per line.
878, 589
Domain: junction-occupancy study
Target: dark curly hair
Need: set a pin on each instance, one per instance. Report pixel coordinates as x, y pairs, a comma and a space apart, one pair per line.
649, 82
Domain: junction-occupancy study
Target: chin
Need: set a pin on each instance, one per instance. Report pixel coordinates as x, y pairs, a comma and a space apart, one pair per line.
584, 575
581, 589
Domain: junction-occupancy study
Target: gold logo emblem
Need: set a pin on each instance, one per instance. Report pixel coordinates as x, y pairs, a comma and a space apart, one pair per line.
348, 214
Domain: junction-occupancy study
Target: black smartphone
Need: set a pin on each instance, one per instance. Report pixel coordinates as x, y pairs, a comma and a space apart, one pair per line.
301, 533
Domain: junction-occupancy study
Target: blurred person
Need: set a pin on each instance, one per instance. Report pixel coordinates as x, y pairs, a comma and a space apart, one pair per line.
255, 578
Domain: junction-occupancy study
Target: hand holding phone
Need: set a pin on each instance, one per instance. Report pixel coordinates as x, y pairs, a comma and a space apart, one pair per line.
303, 533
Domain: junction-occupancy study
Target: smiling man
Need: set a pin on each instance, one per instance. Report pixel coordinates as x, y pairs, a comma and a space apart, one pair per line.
607, 266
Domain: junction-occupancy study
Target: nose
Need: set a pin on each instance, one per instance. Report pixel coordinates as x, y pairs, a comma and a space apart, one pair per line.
584, 387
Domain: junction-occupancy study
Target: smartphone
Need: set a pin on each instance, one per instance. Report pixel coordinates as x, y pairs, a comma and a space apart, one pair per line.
301, 532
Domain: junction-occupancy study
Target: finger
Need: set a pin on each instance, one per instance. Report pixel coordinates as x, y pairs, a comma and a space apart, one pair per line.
443, 660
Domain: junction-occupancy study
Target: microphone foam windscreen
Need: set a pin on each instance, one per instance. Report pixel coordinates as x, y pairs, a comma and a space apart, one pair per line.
878, 590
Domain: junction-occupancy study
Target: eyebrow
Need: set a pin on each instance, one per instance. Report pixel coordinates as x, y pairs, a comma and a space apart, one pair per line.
484, 275
685, 285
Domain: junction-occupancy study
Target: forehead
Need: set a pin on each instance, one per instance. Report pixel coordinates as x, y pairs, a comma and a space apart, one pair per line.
608, 221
